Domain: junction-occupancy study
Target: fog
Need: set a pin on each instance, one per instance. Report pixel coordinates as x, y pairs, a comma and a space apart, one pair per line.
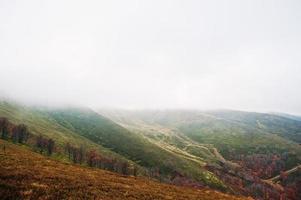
169, 54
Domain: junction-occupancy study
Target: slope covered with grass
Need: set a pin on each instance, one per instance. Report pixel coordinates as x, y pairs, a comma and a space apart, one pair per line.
245, 147
81, 126
286, 126
28, 175
40, 122
183, 147
135, 147
233, 133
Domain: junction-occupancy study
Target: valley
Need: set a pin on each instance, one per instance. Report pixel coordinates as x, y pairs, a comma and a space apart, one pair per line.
233, 152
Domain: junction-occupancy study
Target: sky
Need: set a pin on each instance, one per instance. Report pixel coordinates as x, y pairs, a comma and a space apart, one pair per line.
158, 54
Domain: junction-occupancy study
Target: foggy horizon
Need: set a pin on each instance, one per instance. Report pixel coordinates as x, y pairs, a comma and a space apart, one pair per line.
203, 55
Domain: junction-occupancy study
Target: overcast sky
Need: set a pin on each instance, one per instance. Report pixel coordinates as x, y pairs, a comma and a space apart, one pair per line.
242, 55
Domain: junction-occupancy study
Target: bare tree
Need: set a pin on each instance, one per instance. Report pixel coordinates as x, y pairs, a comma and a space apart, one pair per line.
68, 149
4, 127
81, 153
20, 133
50, 146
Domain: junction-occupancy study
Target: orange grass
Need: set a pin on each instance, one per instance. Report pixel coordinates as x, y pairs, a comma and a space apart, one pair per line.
28, 175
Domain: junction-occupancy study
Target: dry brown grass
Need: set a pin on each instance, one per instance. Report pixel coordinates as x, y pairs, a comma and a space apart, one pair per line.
28, 175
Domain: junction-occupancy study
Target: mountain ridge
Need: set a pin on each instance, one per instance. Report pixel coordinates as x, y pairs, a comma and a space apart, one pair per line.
213, 149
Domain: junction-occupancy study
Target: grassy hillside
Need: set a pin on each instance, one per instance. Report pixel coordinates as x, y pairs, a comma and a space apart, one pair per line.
231, 132
133, 146
40, 122
294, 117
244, 147
285, 127
183, 147
28, 175
80, 126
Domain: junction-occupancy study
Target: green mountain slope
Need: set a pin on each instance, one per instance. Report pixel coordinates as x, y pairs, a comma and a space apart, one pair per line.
178, 146
280, 125
232, 133
246, 148
40, 122
133, 146
80, 126
294, 117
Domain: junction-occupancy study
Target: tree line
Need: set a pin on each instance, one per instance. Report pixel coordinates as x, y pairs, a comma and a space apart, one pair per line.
17, 133
94, 159
78, 155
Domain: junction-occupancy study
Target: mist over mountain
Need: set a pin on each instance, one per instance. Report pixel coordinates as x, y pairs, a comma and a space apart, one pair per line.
236, 152
150, 100
156, 55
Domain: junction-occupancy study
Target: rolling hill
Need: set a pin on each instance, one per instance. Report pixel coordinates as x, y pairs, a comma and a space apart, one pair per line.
82, 126
40, 122
28, 175
231, 132
284, 126
135, 147
294, 117
230, 151
244, 148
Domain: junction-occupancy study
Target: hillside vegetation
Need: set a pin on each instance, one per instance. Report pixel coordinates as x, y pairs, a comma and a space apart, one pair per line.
160, 161
230, 151
40, 123
240, 148
233, 133
81, 126
28, 175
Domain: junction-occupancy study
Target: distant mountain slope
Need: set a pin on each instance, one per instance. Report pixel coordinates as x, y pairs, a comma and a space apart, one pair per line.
280, 125
233, 133
294, 117
82, 126
184, 147
135, 147
246, 147
28, 175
